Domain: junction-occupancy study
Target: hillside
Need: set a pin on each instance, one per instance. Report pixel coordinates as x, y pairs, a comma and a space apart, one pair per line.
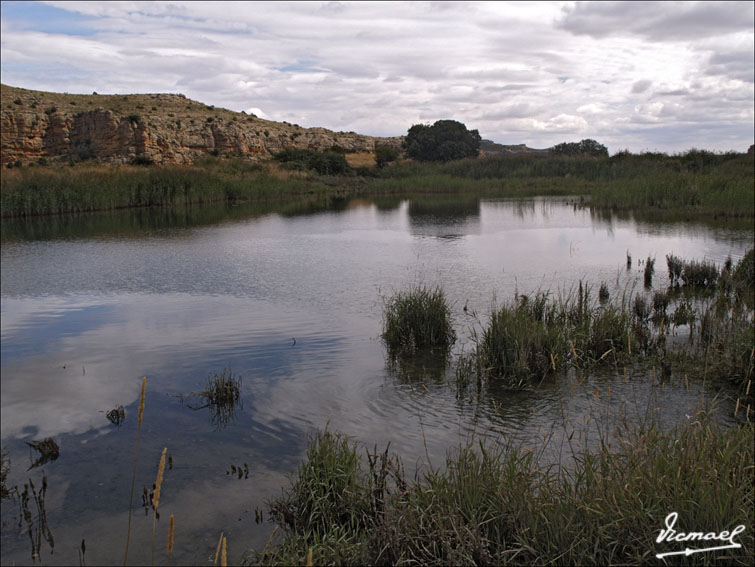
489, 148
164, 128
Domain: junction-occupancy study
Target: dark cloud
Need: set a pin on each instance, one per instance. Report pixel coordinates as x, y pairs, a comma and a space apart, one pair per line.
641, 86
658, 21
733, 65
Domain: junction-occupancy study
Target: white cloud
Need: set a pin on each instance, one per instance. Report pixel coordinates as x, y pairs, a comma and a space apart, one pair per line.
521, 72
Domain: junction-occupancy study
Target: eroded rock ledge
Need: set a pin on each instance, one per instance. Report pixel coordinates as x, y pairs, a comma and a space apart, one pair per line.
164, 128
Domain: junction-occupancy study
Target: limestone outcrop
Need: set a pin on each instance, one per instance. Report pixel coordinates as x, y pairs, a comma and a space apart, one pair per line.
163, 128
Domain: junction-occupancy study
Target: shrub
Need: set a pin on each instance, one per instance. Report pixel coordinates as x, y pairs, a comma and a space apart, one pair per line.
385, 155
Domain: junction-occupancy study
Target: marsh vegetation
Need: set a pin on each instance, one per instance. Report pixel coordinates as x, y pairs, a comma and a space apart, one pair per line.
692, 184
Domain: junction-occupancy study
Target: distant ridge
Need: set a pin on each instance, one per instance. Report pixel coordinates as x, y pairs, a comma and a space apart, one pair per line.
489, 148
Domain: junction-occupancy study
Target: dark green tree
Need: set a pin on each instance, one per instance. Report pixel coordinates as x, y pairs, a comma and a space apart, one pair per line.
586, 147
445, 140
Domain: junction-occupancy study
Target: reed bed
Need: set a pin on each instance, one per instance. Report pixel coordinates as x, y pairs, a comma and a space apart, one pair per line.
530, 338
494, 504
45, 191
694, 183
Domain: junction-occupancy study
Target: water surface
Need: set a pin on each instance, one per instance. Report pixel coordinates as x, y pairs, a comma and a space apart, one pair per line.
290, 299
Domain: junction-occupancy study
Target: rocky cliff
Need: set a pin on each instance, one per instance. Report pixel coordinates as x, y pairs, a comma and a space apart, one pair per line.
164, 128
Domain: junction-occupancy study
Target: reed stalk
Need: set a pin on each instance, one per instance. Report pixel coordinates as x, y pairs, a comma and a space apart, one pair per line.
170, 534
156, 499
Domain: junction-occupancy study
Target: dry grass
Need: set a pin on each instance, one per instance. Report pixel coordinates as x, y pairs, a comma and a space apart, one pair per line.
361, 159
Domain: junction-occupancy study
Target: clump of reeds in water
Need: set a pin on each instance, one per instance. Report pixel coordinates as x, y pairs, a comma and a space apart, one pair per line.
419, 318
649, 271
520, 343
692, 272
222, 395
532, 337
223, 389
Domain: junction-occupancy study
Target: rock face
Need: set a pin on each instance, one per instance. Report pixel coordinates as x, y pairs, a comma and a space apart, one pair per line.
164, 128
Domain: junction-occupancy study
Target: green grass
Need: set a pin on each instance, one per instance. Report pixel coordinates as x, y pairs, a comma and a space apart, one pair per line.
695, 184
45, 191
495, 504
419, 318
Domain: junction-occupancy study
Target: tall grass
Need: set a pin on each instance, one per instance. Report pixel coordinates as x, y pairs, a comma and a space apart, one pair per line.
528, 339
43, 191
494, 504
419, 318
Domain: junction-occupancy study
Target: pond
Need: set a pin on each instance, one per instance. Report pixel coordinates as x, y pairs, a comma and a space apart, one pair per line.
289, 299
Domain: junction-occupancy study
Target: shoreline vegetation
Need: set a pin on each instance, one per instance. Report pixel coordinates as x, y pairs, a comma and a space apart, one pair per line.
696, 184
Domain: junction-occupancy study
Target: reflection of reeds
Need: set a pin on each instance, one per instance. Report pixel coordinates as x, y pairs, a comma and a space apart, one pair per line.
36, 528
142, 397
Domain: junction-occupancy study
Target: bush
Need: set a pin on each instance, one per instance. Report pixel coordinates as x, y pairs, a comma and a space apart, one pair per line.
385, 155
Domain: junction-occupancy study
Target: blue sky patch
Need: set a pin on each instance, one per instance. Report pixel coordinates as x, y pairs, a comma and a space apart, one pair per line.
40, 17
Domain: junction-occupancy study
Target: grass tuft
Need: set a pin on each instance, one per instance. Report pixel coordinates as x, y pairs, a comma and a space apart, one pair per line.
419, 318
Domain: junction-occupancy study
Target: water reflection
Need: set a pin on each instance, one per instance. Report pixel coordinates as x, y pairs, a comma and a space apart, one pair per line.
444, 217
289, 297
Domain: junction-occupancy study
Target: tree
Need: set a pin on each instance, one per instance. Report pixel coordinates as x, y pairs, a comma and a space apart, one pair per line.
443, 141
586, 147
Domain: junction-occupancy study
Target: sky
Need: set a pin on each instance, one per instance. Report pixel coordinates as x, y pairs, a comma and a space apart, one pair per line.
642, 76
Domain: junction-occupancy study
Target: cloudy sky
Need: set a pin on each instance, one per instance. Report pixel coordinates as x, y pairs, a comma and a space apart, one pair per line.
663, 76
